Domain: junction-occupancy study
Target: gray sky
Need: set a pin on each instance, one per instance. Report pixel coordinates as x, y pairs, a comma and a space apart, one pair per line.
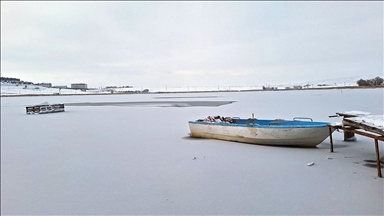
190, 43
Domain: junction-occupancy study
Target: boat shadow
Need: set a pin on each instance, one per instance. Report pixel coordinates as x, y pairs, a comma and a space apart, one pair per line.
189, 137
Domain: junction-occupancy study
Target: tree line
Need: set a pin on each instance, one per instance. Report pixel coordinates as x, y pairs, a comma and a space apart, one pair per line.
370, 82
14, 81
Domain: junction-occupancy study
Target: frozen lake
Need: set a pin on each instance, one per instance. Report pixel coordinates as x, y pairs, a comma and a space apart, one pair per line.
132, 154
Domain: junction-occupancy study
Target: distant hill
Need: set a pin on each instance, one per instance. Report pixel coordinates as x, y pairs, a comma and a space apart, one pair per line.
14, 81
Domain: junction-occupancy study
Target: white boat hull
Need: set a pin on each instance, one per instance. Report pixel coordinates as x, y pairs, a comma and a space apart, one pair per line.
308, 137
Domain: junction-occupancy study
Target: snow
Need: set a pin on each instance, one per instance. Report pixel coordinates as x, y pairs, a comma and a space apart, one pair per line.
362, 117
376, 121
140, 160
44, 103
13, 89
356, 113
337, 124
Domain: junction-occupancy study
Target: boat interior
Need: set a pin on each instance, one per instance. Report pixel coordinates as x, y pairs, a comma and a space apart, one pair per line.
278, 122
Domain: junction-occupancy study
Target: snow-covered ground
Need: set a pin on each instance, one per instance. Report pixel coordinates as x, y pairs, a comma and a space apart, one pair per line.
12, 89
136, 159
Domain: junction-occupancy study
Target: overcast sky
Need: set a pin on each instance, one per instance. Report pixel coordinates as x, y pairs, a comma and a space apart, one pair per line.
190, 43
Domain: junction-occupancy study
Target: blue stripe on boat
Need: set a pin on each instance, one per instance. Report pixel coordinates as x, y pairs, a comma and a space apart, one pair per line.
267, 123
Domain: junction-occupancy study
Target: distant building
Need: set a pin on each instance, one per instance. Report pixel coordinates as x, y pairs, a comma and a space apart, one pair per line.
297, 87
267, 88
79, 86
47, 85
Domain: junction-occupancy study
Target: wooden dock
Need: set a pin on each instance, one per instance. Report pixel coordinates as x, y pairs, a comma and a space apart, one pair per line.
44, 108
355, 124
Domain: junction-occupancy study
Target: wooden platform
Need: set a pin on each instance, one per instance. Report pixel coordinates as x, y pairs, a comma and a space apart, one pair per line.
353, 124
365, 126
45, 108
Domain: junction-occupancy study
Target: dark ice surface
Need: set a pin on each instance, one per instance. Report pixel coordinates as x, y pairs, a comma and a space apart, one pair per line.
154, 103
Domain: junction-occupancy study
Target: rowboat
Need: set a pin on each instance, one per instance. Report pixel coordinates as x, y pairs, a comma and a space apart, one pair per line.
277, 132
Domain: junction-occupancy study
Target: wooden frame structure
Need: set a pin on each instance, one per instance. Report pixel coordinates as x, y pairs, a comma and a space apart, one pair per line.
351, 127
45, 108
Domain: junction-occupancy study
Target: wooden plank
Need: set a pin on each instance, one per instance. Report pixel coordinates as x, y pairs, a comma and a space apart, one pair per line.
378, 158
363, 126
330, 137
345, 115
370, 135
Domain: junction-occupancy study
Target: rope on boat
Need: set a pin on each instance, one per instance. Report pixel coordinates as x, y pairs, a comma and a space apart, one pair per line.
219, 119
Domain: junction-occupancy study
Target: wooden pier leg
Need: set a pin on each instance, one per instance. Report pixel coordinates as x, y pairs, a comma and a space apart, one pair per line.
349, 136
378, 158
330, 137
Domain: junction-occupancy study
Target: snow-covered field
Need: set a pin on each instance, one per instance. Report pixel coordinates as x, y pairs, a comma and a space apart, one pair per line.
137, 158
13, 89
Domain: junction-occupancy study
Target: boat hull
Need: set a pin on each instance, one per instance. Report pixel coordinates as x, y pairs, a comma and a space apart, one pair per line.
280, 136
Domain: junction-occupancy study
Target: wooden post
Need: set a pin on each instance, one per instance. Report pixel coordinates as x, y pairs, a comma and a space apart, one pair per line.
330, 137
349, 136
378, 158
